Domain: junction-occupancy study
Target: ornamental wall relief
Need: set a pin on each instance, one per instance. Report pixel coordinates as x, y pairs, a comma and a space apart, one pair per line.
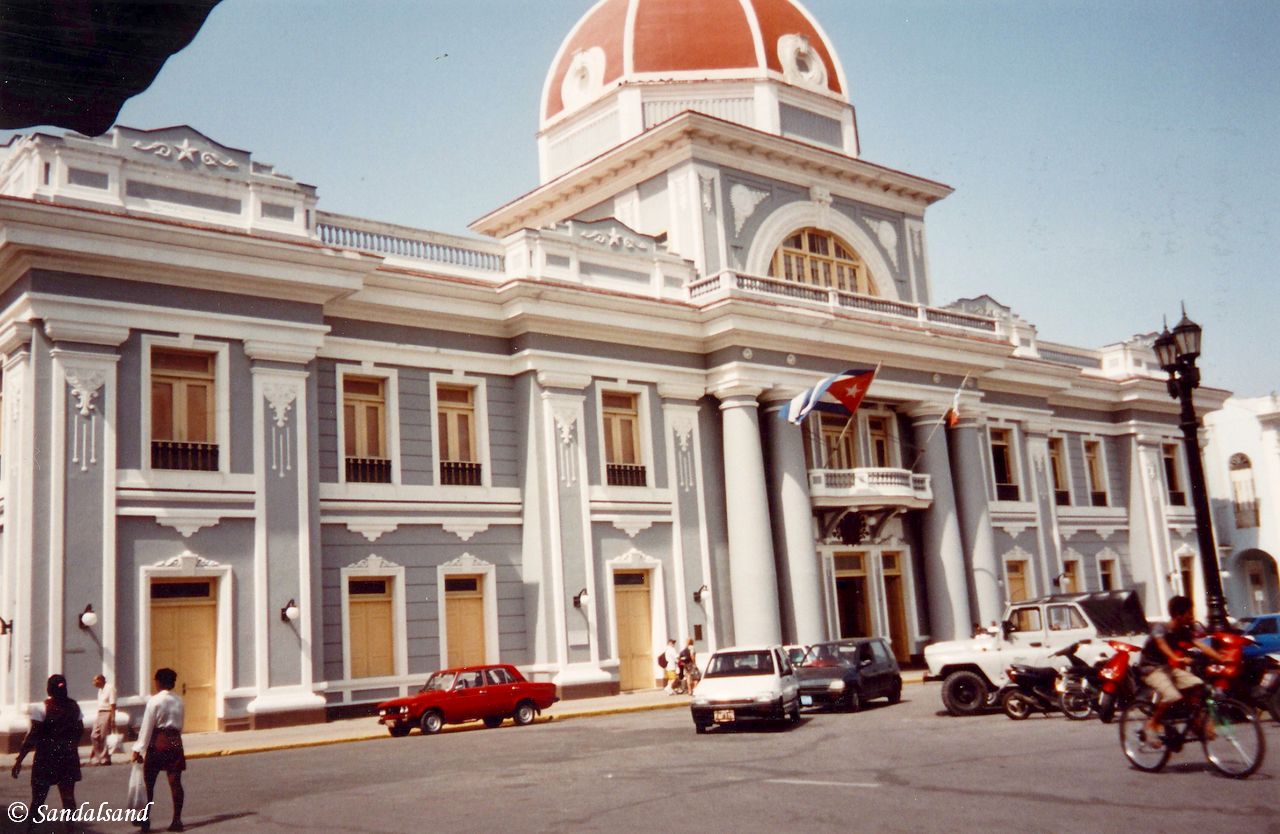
85, 384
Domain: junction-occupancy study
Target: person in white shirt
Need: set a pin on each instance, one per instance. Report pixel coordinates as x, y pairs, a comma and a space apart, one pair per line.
105, 724
673, 658
159, 744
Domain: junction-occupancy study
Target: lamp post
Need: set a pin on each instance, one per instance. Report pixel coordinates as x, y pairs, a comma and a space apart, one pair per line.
1177, 353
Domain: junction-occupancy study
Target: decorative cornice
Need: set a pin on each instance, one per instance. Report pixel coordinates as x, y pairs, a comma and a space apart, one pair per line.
465, 529
187, 563
188, 524
631, 526
290, 352
186, 151
65, 330
562, 379
14, 335
635, 558
372, 530
466, 560
372, 562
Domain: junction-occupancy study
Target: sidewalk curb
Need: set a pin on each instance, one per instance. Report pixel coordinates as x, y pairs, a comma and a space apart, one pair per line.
458, 728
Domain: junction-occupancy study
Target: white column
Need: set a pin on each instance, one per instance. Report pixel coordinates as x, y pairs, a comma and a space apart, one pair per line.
799, 574
15, 567
975, 518
753, 579
943, 552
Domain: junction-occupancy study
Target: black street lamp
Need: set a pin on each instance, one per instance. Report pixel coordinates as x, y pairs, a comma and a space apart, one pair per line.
1177, 353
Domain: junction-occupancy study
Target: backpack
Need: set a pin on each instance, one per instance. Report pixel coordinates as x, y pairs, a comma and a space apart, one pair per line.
662, 660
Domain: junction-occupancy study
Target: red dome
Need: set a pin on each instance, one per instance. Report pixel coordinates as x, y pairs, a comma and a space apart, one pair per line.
688, 40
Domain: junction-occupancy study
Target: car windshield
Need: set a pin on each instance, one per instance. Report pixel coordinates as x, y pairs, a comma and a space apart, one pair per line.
737, 664
440, 681
831, 654
796, 655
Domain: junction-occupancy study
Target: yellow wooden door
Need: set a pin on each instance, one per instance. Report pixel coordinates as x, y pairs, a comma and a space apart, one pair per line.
1016, 571
184, 628
897, 608
464, 620
370, 634
635, 632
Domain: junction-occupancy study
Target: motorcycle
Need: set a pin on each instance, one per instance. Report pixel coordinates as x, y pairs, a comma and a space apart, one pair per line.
1120, 682
1081, 685
1033, 688
1253, 680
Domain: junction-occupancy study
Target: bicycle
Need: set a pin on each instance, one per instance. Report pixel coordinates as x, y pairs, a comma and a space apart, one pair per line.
1234, 748
686, 679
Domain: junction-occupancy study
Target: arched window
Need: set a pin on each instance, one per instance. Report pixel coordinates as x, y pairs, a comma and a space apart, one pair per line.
1242, 497
820, 259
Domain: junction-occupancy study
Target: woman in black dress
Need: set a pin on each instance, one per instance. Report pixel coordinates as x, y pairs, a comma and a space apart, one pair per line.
55, 736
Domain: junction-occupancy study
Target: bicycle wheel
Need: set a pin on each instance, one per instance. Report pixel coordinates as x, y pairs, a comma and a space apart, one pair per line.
1237, 745
1142, 751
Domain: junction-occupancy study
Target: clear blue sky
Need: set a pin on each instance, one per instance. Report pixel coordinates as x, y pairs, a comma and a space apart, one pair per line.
1109, 158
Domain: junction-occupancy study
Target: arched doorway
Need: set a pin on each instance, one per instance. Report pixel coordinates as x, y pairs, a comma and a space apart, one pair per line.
1259, 580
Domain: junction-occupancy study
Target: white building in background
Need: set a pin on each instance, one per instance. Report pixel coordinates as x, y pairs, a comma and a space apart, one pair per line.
1242, 466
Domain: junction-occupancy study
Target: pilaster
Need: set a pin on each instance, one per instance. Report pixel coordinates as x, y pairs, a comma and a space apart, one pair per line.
15, 562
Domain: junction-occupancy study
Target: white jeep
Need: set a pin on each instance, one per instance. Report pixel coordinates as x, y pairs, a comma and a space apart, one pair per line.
973, 670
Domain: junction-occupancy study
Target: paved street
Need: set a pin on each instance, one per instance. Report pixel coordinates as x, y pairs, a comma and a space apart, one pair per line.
901, 768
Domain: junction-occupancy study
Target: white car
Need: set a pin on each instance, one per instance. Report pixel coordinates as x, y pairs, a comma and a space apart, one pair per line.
746, 682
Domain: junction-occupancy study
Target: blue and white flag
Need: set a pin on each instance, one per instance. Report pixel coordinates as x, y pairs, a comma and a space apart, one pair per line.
840, 393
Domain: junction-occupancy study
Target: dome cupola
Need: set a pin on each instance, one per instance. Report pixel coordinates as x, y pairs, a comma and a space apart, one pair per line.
630, 64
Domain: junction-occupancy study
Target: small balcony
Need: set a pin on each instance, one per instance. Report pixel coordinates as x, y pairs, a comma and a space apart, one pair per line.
625, 474
461, 473
869, 487
183, 455
368, 471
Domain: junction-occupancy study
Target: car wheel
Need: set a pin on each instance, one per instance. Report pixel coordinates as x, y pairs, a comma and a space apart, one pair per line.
895, 694
964, 693
852, 701
1016, 705
398, 730
432, 722
525, 713
492, 721
795, 713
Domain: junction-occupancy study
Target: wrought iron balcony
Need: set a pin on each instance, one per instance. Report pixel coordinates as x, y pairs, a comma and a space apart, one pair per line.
183, 455
368, 471
870, 487
625, 474
461, 473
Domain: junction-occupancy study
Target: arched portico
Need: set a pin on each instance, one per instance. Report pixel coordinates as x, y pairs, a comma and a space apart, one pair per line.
1255, 581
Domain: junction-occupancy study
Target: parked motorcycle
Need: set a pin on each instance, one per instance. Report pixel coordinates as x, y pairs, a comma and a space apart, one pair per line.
1036, 688
1081, 686
1120, 682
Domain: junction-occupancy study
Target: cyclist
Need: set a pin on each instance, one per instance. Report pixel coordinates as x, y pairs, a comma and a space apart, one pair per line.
1162, 661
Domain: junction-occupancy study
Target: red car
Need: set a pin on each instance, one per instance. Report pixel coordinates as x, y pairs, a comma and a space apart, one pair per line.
468, 693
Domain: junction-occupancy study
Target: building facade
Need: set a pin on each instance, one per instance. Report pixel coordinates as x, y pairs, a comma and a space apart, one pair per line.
305, 459
1242, 467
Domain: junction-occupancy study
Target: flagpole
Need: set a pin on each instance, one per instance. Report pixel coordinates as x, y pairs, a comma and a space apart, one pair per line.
938, 422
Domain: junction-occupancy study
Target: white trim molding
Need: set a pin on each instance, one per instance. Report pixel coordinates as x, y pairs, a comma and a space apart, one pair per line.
480, 404
469, 565
391, 414
221, 392
374, 566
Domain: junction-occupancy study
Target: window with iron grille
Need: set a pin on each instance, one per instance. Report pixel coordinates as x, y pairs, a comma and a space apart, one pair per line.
1058, 463
1097, 474
364, 430
183, 409
621, 419
456, 429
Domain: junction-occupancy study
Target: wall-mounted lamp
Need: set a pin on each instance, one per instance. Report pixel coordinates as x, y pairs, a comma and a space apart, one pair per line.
6, 626
88, 617
701, 594
1057, 580
581, 598
290, 612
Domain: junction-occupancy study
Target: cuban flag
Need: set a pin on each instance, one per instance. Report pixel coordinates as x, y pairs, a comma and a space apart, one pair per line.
840, 393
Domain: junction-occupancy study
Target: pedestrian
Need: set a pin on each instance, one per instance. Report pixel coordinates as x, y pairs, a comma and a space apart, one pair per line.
688, 662
56, 727
105, 723
673, 658
159, 744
